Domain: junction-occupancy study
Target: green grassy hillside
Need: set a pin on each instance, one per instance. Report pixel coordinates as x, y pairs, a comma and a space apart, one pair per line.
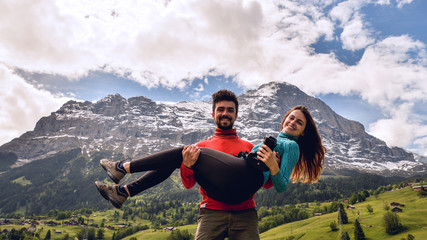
413, 218
151, 234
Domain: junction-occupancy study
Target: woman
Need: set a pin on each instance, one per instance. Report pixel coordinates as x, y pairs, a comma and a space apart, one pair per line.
227, 178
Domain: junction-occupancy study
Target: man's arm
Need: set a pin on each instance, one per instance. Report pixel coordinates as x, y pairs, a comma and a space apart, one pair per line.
190, 154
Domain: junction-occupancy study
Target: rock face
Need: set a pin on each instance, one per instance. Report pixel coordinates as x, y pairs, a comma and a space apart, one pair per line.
347, 143
139, 126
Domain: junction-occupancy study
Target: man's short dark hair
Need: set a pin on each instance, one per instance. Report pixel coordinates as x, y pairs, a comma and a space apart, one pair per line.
224, 95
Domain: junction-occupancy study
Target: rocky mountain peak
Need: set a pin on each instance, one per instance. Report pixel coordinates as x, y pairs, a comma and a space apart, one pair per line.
111, 105
72, 106
139, 126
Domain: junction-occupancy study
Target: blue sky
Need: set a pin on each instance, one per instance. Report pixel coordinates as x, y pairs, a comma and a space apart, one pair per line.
366, 59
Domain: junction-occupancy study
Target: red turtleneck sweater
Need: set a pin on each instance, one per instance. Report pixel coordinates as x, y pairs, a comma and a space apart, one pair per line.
225, 141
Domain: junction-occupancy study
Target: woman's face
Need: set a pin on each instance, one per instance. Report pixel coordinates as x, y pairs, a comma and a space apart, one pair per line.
295, 123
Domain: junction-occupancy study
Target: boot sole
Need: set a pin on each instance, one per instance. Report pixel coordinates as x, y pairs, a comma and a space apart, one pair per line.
115, 203
110, 174
108, 197
102, 192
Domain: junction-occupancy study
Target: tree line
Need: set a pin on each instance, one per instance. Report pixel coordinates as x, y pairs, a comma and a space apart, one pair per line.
326, 189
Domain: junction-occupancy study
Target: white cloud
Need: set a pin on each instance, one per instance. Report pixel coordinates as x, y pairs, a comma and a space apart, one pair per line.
354, 36
345, 11
382, 2
398, 130
420, 146
404, 128
389, 71
157, 44
22, 105
199, 88
401, 3
38, 37
170, 43
393, 70
392, 75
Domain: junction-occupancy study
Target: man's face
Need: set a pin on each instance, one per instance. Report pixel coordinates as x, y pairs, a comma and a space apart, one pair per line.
225, 114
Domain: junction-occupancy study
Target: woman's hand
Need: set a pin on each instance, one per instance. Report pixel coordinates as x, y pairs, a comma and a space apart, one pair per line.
190, 154
269, 158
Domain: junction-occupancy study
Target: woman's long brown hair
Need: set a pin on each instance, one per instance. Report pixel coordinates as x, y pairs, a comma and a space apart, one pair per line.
312, 152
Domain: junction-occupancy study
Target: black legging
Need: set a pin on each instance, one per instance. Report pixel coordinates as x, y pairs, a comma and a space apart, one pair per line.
225, 178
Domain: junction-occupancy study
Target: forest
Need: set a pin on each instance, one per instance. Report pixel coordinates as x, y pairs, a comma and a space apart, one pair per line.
154, 212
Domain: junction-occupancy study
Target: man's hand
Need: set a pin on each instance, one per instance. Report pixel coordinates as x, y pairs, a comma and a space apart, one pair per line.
269, 158
190, 154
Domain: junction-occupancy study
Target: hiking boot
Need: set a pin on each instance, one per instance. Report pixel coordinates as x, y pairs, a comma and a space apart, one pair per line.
113, 170
111, 193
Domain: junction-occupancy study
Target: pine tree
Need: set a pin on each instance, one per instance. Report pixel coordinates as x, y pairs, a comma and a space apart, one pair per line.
100, 233
342, 215
178, 235
91, 234
358, 231
344, 236
48, 235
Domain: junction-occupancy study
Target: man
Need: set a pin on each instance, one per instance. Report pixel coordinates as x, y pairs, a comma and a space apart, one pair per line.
218, 220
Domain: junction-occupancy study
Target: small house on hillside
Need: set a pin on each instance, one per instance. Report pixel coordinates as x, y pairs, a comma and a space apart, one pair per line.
351, 207
122, 226
70, 223
419, 188
5, 222
396, 209
169, 229
396, 204
51, 223
110, 228
33, 228
413, 184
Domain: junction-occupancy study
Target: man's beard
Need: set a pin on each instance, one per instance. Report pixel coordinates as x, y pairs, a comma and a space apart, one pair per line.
218, 124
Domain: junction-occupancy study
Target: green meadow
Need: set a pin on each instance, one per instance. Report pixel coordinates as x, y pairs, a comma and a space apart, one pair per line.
151, 234
413, 218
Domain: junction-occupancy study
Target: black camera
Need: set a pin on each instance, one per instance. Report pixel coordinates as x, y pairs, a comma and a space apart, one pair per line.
252, 159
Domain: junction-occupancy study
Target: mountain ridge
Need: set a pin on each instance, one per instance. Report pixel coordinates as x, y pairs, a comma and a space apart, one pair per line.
55, 165
139, 126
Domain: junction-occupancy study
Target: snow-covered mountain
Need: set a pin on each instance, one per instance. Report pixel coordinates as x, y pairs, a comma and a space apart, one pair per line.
138, 126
